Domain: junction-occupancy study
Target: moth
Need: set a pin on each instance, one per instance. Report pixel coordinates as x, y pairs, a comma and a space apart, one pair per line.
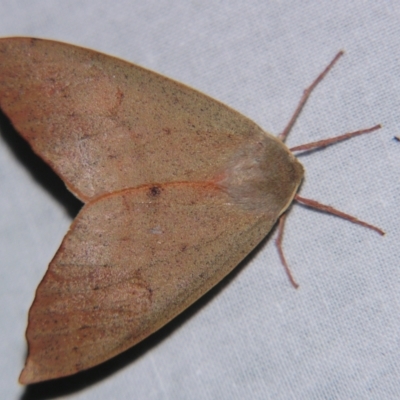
177, 189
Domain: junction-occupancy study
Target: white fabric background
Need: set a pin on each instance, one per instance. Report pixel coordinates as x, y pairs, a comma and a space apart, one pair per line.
253, 336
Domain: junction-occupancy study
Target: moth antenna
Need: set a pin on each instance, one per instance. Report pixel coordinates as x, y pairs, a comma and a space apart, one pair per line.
278, 243
306, 94
333, 140
315, 145
334, 211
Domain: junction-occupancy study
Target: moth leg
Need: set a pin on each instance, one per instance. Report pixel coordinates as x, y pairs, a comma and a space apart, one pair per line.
334, 211
278, 243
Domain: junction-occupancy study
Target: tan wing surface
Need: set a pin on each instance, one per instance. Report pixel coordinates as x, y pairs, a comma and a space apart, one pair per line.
104, 124
130, 263
179, 189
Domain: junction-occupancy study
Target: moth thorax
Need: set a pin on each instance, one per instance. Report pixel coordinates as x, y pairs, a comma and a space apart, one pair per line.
263, 176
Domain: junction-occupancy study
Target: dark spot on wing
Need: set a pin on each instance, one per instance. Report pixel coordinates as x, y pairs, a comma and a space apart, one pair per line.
154, 191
